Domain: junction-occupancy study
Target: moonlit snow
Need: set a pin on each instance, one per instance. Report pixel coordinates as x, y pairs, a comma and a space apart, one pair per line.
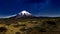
25, 12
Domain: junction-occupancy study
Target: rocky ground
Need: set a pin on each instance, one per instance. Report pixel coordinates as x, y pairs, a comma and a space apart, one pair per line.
30, 26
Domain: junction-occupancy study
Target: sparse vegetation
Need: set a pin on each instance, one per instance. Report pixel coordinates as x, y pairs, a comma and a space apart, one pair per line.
3, 29
17, 33
40, 29
51, 22
22, 29
38, 25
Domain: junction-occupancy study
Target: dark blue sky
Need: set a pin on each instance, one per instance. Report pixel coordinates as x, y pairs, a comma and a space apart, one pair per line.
36, 7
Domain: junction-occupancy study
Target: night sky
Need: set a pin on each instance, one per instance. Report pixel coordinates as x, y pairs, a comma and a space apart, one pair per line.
35, 7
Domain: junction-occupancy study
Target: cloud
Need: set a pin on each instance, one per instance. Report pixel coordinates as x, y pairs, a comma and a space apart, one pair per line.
8, 16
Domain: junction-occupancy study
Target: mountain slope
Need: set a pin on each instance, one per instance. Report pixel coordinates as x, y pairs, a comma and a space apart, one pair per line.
24, 14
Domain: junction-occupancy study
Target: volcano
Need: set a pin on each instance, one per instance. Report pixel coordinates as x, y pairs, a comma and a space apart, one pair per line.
24, 14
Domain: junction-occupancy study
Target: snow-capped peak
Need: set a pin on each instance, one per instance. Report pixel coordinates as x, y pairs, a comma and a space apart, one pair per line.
24, 13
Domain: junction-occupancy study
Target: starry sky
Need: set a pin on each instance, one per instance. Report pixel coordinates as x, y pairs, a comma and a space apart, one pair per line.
35, 7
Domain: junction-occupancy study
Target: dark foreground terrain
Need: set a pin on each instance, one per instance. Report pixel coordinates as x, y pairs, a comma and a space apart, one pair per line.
30, 25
